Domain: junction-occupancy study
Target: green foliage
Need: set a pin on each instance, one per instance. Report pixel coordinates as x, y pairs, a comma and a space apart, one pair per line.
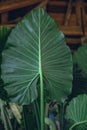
4, 33
5, 116
76, 113
79, 72
36, 63
36, 49
80, 57
79, 82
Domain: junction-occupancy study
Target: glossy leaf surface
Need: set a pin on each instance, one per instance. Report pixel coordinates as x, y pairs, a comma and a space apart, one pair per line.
36, 49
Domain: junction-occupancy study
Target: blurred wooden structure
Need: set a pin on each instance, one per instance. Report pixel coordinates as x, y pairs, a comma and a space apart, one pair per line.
70, 15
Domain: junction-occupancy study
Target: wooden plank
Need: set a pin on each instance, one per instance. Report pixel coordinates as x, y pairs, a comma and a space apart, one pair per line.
71, 30
4, 7
60, 18
73, 40
63, 3
68, 13
4, 18
43, 4
58, 3
85, 28
15, 20
78, 12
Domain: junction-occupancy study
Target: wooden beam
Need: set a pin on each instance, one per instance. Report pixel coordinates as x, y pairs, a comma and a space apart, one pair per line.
58, 3
68, 13
8, 6
85, 28
78, 12
4, 18
73, 40
63, 3
15, 20
43, 4
59, 18
71, 30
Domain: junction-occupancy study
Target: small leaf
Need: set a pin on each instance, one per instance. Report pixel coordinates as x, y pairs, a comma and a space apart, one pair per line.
16, 109
80, 57
5, 116
79, 81
76, 113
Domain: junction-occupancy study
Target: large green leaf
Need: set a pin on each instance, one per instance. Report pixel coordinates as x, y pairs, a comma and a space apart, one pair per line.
36, 49
77, 113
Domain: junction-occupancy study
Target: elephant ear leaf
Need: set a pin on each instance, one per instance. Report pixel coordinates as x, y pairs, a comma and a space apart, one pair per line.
76, 113
36, 50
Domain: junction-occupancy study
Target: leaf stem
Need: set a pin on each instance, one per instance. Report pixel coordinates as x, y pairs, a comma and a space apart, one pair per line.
76, 124
24, 117
61, 115
41, 79
36, 114
42, 103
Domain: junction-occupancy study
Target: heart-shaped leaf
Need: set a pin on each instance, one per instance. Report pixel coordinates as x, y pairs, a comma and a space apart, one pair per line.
36, 49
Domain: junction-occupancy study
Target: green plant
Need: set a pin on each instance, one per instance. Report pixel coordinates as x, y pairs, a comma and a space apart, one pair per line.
77, 113
36, 59
4, 111
4, 33
79, 71
19, 47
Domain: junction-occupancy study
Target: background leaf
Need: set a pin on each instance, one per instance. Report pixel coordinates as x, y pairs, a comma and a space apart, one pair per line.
80, 57
79, 72
76, 113
79, 82
4, 33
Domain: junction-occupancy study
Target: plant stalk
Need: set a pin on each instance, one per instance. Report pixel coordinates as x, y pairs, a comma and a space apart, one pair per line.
37, 114
24, 118
42, 103
42, 119
61, 115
